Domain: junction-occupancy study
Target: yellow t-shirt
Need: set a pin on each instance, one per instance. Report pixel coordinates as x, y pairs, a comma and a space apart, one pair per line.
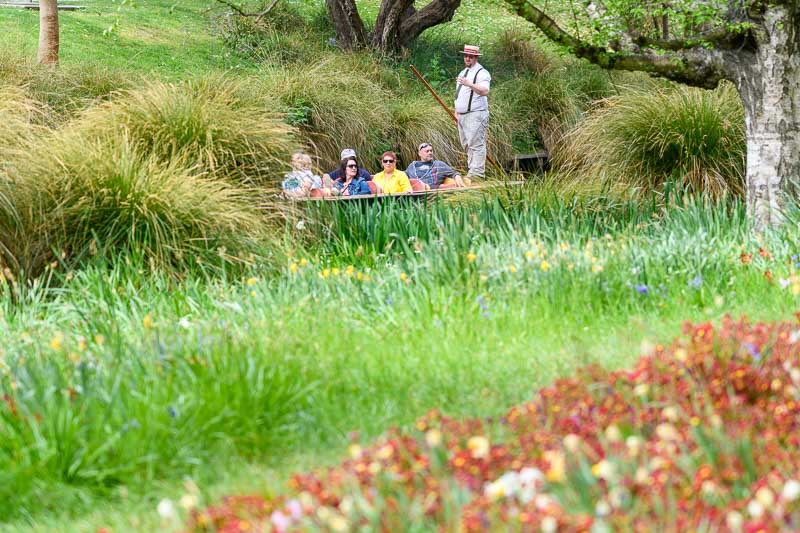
397, 182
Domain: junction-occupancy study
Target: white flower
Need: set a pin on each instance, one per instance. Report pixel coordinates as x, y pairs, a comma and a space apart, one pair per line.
549, 524
734, 520
755, 508
602, 508
530, 476
280, 521
791, 490
166, 509
184, 323
300, 225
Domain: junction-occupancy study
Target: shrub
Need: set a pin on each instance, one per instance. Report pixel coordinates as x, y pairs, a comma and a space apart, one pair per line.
649, 138
268, 41
214, 124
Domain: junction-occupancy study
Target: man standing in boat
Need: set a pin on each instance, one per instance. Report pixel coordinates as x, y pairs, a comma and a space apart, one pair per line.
432, 172
472, 110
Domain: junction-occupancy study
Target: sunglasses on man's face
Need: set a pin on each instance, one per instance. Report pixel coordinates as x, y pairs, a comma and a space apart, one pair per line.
352, 166
388, 160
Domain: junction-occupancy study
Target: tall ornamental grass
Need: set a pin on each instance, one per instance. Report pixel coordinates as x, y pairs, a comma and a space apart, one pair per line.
19, 116
64, 92
336, 105
78, 197
213, 124
646, 139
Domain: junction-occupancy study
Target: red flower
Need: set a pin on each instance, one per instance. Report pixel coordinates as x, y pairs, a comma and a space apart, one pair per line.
746, 258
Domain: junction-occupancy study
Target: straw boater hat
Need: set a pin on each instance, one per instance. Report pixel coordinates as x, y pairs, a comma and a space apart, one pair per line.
471, 50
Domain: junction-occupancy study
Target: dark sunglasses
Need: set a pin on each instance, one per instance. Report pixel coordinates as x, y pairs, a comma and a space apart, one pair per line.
388, 160
352, 166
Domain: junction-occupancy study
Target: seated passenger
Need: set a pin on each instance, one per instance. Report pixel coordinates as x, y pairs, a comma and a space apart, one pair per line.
300, 181
391, 180
352, 183
432, 172
338, 174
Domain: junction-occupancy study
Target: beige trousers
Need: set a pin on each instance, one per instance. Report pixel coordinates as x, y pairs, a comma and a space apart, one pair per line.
472, 133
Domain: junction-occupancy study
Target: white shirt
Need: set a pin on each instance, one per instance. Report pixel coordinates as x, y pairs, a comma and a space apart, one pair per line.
479, 103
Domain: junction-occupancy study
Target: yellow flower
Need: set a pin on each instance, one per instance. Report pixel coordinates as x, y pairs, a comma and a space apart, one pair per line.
293, 268
403, 276
564, 246
570, 266
471, 257
597, 268
147, 321
557, 465
433, 438
530, 255
99, 339
359, 276
545, 266
252, 281
57, 342
354, 450
253, 294
335, 271
349, 270
325, 273
512, 269
478, 446
303, 262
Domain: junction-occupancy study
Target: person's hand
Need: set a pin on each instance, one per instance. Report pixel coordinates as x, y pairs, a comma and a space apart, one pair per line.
464, 81
459, 181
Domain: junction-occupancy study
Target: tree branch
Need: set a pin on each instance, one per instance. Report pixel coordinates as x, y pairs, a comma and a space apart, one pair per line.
436, 12
240, 11
697, 67
715, 35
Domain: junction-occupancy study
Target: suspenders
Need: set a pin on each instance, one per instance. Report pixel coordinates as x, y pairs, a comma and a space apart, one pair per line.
471, 92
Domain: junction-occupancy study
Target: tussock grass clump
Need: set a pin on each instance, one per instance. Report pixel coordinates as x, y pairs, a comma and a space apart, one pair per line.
19, 116
62, 92
541, 108
649, 138
418, 119
105, 196
213, 124
336, 105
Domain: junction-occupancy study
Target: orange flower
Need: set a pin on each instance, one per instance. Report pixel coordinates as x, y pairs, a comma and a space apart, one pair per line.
764, 253
746, 258
768, 275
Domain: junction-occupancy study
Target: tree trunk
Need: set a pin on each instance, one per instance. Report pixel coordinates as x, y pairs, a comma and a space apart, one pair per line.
349, 27
48, 32
396, 26
769, 85
387, 25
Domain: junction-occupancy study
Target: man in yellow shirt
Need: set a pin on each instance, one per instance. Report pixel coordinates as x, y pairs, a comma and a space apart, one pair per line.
391, 180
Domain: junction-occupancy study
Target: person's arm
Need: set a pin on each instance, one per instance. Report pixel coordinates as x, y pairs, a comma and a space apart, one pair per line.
405, 184
481, 86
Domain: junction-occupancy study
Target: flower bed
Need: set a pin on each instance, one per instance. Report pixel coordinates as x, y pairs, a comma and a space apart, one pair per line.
702, 434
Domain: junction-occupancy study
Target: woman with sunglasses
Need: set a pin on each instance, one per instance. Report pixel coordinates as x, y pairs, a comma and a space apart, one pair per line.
350, 182
391, 180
